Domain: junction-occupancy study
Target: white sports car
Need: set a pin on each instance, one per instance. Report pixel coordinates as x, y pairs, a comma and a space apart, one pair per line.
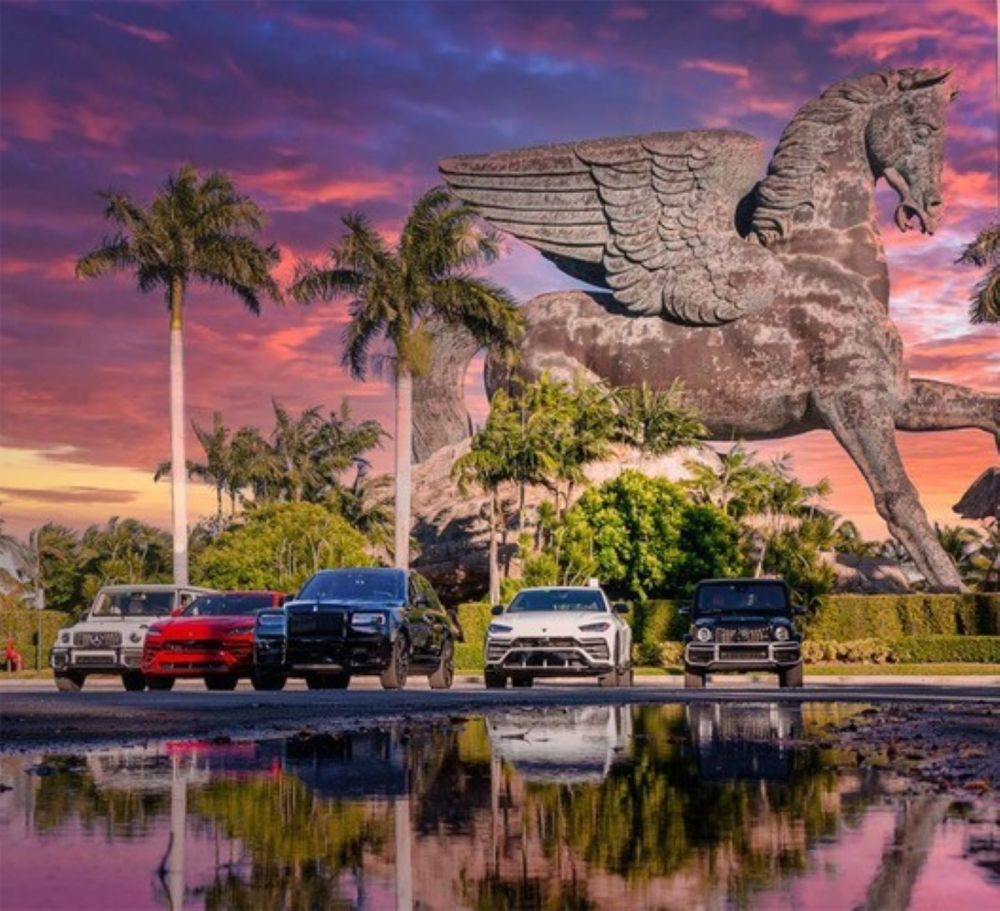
558, 632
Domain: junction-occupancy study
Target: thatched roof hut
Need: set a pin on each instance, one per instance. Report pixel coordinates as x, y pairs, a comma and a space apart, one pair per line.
982, 499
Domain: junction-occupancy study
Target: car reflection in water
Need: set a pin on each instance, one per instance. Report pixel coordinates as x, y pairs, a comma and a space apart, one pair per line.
562, 746
735, 741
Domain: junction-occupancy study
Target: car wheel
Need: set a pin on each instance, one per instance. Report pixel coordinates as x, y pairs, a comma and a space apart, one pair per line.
221, 682
394, 676
444, 674
791, 677
694, 680
494, 681
160, 683
69, 682
268, 681
134, 681
337, 681
522, 682
627, 678
316, 681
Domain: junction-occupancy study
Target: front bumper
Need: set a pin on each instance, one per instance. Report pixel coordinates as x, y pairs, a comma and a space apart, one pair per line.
170, 660
735, 656
96, 661
358, 654
549, 657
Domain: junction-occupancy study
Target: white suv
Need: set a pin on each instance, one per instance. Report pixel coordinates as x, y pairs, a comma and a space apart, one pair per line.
558, 632
109, 639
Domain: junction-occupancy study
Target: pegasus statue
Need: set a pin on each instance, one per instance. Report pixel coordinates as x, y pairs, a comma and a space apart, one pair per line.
768, 297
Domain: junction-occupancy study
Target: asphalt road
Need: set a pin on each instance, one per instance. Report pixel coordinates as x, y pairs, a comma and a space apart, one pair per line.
33, 715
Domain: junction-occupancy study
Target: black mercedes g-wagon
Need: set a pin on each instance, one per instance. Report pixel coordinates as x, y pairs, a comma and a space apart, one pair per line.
742, 625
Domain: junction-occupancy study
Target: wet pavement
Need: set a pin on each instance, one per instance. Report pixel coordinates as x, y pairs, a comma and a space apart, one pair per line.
751, 803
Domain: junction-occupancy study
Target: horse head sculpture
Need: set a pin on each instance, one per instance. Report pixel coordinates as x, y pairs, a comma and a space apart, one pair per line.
767, 298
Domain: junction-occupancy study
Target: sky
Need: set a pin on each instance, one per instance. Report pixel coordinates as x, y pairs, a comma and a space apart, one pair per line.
317, 109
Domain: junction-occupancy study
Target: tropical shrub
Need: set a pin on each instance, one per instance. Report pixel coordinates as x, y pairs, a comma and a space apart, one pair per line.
474, 617
278, 547
22, 626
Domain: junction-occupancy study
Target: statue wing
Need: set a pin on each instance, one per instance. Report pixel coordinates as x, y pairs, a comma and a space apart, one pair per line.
651, 217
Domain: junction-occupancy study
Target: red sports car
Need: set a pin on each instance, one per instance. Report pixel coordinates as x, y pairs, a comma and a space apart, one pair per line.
212, 638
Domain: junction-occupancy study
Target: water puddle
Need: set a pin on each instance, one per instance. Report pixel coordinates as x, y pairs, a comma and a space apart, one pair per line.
698, 807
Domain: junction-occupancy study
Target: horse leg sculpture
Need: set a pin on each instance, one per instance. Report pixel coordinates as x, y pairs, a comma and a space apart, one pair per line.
942, 406
868, 436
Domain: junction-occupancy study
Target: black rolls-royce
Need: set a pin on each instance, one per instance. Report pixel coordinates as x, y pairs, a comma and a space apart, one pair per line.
359, 621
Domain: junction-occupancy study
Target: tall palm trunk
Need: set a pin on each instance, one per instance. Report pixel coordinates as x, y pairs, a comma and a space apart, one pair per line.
494, 560
404, 444
178, 476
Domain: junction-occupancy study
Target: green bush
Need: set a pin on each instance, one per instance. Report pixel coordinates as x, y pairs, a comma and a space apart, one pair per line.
930, 649
22, 626
653, 623
474, 617
848, 617
671, 655
856, 651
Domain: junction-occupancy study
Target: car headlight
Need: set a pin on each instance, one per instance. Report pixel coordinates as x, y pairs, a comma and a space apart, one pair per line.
135, 637
240, 630
271, 623
703, 634
498, 629
370, 619
64, 637
781, 633
600, 627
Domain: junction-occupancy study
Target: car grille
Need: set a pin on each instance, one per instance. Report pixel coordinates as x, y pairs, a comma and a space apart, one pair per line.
596, 649
320, 623
96, 660
197, 645
744, 652
544, 642
97, 640
743, 634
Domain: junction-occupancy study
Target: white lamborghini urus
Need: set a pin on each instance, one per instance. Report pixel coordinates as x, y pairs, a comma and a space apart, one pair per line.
558, 632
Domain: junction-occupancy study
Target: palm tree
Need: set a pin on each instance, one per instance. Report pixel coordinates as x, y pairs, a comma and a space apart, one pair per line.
984, 306
193, 229
394, 289
656, 421
216, 470
293, 444
735, 486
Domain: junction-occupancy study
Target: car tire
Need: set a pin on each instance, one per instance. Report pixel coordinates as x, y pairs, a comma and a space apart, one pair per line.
791, 677
316, 681
627, 677
268, 681
522, 682
134, 681
444, 674
160, 683
494, 680
694, 680
394, 676
70, 681
221, 682
336, 681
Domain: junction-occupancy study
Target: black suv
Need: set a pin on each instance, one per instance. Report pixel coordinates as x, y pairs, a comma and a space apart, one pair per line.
742, 625
346, 622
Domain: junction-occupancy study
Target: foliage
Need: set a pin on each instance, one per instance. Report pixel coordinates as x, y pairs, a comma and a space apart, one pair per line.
22, 627
653, 623
278, 546
303, 458
44, 562
656, 422
984, 251
904, 650
430, 271
844, 617
643, 538
122, 551
474, 618
974, 554
854, 651
670, 655
194, 229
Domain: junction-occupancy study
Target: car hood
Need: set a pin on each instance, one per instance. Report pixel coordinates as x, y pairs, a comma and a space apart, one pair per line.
203, 627
743, 620
551, 623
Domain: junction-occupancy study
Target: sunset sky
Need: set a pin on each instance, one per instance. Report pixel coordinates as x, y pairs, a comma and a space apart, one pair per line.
317, 109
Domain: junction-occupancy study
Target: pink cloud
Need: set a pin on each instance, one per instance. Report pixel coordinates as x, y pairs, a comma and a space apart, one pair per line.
734, 71
628, 12
152, 35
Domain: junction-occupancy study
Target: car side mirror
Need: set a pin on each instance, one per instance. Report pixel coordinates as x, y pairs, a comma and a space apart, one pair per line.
799, 611
496, 610
620, 607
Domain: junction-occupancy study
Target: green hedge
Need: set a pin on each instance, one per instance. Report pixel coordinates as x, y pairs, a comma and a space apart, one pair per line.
929, 649
474, 617
653, 623
22, 625
847, 617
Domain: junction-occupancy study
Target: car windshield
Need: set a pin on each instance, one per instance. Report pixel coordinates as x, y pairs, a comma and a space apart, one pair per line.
741, 598
232, 605
133, 604
355, 585
557, 599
